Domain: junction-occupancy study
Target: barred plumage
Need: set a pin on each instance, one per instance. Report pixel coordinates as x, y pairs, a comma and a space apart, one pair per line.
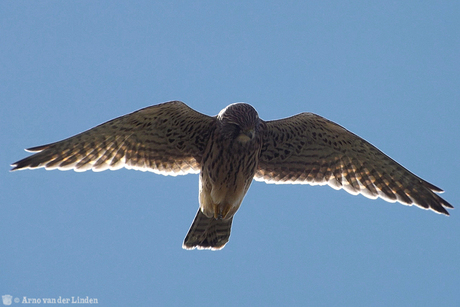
229, 151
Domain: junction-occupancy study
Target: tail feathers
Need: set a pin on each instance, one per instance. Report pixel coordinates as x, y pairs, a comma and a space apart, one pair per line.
208, 233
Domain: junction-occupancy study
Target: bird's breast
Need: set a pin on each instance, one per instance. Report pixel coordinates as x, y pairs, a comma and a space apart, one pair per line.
227, 172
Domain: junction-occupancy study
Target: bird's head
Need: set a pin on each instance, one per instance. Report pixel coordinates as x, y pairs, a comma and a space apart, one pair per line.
239, 121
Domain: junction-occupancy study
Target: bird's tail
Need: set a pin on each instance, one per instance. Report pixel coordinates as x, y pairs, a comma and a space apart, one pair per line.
208, 233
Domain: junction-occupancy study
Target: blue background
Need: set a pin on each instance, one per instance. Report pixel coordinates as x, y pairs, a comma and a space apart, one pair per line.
388, 71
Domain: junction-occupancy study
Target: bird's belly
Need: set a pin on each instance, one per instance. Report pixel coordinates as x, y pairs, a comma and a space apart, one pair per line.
225, 177
222, 199
232, 193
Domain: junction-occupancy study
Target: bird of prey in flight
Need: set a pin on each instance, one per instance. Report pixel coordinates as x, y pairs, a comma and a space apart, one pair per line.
231, 149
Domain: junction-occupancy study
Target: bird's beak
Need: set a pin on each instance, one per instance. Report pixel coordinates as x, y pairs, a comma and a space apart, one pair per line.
246, 135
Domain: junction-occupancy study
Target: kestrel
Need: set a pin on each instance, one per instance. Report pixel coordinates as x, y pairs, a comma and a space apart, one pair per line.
231, 149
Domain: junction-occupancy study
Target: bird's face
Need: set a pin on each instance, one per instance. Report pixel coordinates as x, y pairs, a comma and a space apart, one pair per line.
240, 122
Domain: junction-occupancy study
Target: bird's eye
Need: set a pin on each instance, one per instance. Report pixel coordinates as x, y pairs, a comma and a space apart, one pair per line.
233, 129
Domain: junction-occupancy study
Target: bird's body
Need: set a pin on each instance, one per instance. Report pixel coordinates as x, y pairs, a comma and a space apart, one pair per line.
228, 167
229, 151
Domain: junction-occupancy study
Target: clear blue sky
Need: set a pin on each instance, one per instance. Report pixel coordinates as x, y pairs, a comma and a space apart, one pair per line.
388, 71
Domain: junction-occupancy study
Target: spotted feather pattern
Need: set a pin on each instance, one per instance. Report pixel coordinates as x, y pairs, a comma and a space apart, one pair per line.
309, 149
168, 139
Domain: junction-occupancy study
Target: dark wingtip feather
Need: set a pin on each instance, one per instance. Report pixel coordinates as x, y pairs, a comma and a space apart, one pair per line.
21, 164
38, 148
442, 211
15, 166
432, 187
439, 205
29, 161
447, 205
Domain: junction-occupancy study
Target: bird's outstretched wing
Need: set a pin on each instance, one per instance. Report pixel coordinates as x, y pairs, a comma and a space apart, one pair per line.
168, 139
309, 149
